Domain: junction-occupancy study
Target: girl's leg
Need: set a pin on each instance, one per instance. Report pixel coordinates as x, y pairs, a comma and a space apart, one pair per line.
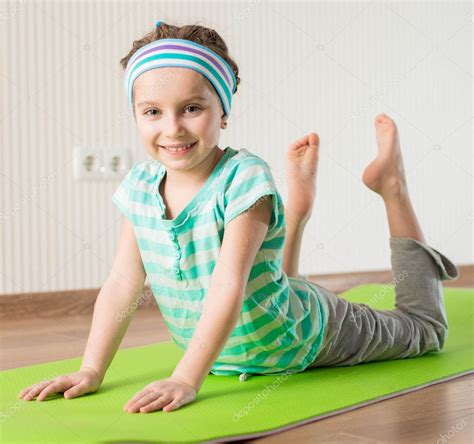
359, 333
292, 249
386, 176
301, 166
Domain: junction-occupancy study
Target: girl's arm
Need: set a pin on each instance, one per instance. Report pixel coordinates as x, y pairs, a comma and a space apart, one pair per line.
243, 237
115, 302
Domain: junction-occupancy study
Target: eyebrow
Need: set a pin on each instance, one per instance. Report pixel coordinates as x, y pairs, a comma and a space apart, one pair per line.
147, 102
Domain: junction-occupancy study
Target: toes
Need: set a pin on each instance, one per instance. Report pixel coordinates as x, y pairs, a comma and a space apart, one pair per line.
311, 139
384, 125
383, 119
301, 142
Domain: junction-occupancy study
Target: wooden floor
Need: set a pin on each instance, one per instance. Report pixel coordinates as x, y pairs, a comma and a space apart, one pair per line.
445, 409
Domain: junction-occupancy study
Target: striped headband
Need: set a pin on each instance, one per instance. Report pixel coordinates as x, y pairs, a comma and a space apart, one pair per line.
185, 54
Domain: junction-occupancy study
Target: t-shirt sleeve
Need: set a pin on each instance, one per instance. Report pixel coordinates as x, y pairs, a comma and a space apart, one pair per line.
122, 195
247, 184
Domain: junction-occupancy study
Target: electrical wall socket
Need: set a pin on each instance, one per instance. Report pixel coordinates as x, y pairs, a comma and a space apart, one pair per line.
96, 163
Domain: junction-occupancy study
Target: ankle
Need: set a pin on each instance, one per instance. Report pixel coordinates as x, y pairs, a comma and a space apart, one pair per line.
296, 223
296, 218
398, 195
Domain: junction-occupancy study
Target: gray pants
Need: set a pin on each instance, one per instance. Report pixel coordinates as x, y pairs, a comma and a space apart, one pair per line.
358, 333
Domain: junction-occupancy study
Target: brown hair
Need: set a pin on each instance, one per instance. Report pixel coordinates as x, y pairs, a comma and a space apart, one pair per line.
198, 34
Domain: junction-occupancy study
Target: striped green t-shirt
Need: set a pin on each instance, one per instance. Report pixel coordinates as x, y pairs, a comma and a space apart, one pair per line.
283, 319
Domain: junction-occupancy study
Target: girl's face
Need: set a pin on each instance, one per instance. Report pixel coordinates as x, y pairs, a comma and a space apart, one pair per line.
177, 106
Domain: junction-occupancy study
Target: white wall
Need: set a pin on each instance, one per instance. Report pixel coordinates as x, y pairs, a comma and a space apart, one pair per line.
324, 67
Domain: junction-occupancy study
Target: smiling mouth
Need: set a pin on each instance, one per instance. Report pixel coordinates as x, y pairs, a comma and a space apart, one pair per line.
181, 149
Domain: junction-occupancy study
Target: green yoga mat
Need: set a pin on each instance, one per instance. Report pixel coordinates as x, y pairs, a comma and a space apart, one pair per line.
225, 408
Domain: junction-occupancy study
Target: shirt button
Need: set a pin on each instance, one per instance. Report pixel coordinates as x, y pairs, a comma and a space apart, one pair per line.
176, 270
172, 235
178, 254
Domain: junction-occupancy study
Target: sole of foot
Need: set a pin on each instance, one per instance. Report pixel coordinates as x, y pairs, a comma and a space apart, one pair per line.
302, 165
385, 175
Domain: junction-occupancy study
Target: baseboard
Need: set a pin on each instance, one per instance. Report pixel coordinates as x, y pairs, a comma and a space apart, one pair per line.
81, 302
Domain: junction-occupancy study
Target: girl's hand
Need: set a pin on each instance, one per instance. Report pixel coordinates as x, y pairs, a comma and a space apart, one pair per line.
72, 385
169, 394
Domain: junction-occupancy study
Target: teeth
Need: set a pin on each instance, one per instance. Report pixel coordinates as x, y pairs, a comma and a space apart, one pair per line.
181, 148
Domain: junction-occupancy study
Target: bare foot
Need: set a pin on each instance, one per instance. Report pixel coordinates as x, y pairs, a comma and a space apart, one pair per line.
386, 175
301, 165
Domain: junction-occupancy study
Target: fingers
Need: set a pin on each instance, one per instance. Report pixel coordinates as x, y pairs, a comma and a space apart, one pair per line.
161, 403
151, 405
59, 385
167, 394
77, 390
144, 402
138, 396
172, 405
24, 392
33, 390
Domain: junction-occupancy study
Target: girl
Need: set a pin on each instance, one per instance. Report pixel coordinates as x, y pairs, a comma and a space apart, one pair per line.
208, 227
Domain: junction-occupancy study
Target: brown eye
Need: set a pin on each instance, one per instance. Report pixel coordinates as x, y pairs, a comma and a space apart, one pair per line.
193, 106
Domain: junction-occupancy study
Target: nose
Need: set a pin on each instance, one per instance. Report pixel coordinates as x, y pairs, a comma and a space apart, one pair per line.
172, 127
